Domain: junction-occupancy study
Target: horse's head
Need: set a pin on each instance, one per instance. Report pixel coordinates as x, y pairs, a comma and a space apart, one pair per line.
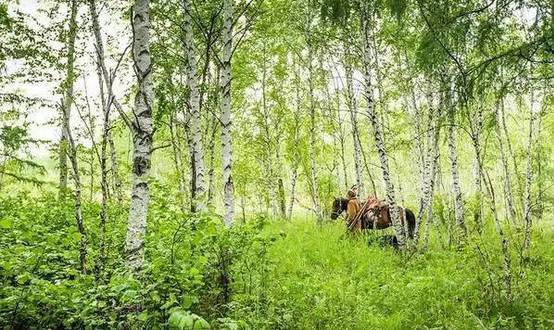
339, 206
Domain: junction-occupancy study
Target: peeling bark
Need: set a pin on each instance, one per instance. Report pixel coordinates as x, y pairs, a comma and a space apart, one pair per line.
194, 107
459, 212
226, 139
142, 130
378, 135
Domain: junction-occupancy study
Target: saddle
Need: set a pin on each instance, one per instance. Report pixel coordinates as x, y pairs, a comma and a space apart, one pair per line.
372, 210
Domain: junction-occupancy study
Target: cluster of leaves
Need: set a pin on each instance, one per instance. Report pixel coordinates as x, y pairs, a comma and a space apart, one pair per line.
187, 262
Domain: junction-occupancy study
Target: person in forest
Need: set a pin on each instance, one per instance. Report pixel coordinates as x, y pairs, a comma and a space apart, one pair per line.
353, 207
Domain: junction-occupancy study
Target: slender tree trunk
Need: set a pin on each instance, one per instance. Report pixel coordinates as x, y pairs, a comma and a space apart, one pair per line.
459, 213
507, 259
314, 179
142, 129
511, 154
102, 71
211, 162
378, 134
83, 242
296, 155
267, 154
67, 144
477, 167
510, 209
194, 106
341, 139
378, 75
527, 219
66, 107
226, 140
117, 184
352, 109
178, 161
189, 138
429, 160
107, 101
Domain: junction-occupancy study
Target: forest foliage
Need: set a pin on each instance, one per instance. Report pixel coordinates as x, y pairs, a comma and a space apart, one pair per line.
172, 163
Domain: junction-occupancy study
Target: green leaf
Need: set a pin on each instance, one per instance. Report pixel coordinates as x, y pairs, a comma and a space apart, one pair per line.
6, 223
187, 302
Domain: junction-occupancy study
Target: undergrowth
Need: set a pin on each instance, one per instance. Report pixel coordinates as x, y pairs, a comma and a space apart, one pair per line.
263, 274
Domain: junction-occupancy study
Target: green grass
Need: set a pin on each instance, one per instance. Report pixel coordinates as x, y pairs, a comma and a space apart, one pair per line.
321, 278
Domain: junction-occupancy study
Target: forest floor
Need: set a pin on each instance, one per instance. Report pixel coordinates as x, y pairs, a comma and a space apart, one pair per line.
263, 274
322, 278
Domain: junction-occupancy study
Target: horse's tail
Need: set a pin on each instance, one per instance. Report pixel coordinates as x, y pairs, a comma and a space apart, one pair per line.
410, 218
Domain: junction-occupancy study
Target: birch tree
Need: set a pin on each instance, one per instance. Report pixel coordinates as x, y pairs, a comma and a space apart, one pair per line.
226, 139
141, 126
353, 111
68, 90
68, 148
454, 171
527, 217
194, 107
377, 130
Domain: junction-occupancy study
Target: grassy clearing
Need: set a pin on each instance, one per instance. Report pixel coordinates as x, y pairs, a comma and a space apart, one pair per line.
320, 278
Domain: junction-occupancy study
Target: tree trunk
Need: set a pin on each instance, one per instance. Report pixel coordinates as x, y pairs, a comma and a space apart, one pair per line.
117, 184
66, 107
511, 154
178, 161
267, 138
142, 130
352, 109
453, 155
429, 169
314, 180
211, 161
429, 163
507, 259
67, 144
102, 71
83, 242
194, 107
510, 209
226, 140
477, 128
527, 220
378, 135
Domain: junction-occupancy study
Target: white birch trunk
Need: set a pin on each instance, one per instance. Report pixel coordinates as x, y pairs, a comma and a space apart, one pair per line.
378, 135
102, 76
510, 209
67, 101
453, 155
429, 161
142, 130
194, 107
226, 140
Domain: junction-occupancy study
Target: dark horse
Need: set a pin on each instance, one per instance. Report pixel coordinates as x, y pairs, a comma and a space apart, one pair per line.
375, 218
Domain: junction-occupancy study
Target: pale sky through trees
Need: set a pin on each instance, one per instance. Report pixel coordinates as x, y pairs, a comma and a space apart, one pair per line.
44, 126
